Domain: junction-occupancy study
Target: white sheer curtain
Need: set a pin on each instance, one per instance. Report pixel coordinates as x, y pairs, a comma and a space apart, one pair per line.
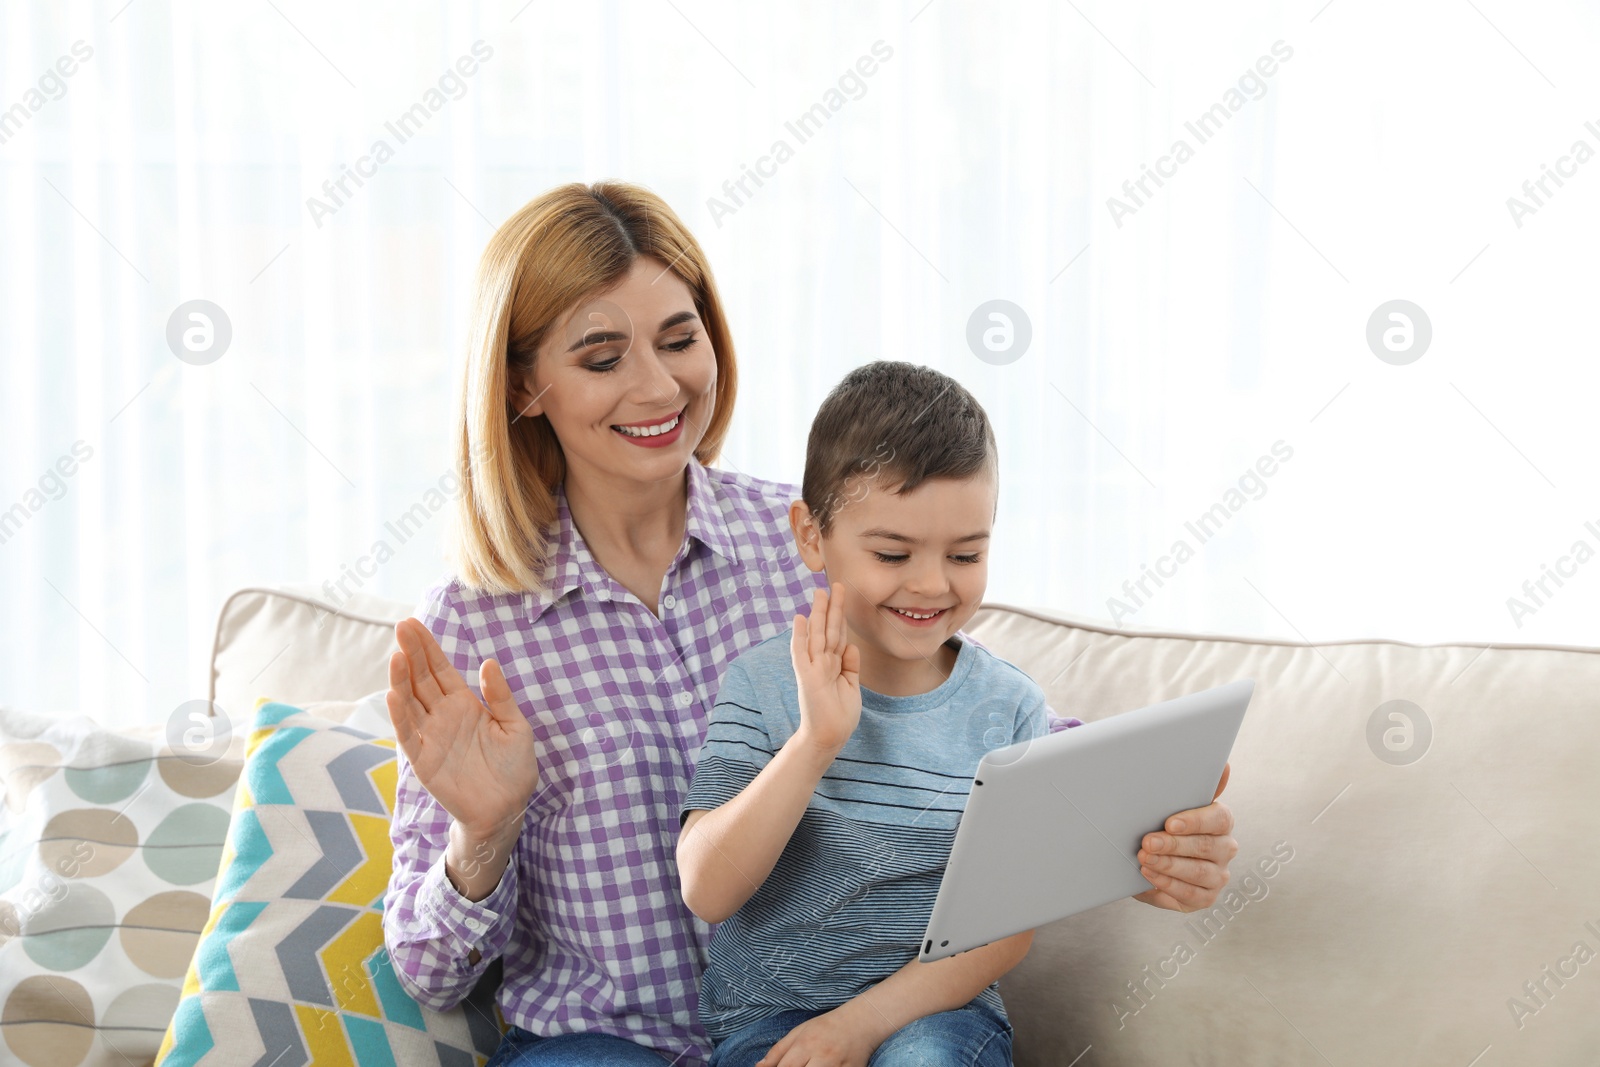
955, 154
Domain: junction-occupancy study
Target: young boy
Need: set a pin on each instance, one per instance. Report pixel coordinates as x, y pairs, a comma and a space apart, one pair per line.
839, 755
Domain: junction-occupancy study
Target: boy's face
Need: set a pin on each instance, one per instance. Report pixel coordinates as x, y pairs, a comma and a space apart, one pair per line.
926, 551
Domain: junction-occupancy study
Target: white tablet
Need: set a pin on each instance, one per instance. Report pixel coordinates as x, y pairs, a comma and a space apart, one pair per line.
1053, 826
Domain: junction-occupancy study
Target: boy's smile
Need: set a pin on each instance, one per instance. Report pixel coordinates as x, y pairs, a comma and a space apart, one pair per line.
915, 567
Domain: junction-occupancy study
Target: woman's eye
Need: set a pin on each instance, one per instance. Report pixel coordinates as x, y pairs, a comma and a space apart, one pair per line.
885, 558
603, 367
681, 346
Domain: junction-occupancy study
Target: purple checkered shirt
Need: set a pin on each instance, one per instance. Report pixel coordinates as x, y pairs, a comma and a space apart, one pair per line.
589, 916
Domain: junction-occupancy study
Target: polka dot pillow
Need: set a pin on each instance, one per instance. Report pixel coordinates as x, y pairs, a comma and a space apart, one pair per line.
109, 846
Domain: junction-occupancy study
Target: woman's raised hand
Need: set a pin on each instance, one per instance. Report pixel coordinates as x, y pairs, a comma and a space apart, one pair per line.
828, 673
479, 762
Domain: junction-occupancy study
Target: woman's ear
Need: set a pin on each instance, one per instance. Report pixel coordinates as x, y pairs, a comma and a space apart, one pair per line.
807, 537
524, 404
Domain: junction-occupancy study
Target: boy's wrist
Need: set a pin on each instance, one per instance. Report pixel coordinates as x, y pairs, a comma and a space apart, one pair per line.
808, 744
865, 1018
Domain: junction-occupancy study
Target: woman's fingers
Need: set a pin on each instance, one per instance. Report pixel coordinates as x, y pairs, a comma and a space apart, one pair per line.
444, 673
497, 692
404, 711
424, 687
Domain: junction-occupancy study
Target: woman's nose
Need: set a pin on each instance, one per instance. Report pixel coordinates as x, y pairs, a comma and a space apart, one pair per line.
659, 384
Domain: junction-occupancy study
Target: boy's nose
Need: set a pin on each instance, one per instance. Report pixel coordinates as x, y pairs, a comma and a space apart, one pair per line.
928, 580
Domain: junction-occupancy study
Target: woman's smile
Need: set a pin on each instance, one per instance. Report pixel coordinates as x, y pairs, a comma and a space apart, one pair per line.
656, 434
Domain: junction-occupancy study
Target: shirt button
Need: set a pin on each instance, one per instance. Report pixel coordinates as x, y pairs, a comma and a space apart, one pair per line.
669, 601
475, 925
603, 593
685, 698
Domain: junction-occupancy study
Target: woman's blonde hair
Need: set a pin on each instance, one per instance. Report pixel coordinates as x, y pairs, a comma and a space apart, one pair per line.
566, 246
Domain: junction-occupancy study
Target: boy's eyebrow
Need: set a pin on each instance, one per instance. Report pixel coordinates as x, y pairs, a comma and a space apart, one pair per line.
890, 535
600, 337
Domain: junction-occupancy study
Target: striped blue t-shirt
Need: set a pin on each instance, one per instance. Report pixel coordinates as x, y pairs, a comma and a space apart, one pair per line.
848, 902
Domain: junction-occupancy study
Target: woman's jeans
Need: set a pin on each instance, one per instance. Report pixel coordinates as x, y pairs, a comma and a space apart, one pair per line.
971, 1036
523, 1048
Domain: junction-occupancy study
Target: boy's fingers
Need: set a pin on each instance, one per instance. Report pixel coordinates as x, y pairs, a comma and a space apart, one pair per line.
817, 634
836, 621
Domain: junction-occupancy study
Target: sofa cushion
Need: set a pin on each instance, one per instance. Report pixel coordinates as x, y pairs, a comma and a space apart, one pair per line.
291, 966
109, 844
1416, 828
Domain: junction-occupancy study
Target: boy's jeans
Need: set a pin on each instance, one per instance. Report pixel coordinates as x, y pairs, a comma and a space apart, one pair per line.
970, 1036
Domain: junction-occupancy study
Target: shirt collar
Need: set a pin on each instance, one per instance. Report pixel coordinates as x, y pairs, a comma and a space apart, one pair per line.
572, 566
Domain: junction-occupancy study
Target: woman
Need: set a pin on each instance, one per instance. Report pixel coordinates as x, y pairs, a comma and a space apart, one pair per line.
606, 574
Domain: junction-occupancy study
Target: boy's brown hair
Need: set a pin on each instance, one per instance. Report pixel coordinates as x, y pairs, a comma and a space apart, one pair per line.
894, 425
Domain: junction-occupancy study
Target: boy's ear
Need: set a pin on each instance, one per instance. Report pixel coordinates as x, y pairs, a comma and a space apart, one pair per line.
807, 537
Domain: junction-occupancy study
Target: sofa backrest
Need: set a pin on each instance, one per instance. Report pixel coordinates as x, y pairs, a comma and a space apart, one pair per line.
1403, 868
1415, 881
293, 646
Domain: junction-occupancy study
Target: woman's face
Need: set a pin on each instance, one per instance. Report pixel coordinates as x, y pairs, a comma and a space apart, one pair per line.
627, 378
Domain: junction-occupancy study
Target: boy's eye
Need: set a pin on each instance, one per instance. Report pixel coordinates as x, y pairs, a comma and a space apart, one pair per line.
973, 558
884, 557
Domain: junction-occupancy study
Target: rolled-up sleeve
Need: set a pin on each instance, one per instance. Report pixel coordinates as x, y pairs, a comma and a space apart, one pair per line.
439, 942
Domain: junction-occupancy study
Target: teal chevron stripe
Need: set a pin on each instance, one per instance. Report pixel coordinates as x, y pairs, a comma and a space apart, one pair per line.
369, 1041
273, 713
251, 849
212, 963
194, 1038
398, 1006
265, 783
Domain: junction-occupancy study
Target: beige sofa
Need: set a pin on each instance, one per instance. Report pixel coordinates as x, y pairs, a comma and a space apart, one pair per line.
1416, 883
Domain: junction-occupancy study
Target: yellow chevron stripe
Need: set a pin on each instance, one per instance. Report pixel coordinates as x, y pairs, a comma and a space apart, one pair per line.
343, 959
256, 737
369, 880
324, 1036
386, 776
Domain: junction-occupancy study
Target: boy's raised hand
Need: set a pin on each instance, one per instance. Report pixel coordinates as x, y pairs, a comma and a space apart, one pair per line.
828, 673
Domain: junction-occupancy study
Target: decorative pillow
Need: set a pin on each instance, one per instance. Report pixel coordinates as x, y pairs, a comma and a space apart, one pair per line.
109, 846
291, 967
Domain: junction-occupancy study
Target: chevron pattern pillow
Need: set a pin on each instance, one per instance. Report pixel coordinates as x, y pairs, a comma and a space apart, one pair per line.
291, 967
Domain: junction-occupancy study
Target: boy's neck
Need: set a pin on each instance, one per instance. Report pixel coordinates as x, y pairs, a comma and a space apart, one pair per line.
895, 676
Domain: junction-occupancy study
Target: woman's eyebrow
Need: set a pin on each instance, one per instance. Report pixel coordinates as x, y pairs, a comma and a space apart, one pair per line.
597, 337
673, 320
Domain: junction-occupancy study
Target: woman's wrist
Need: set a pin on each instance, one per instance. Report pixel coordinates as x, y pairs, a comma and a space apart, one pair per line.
475, 861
